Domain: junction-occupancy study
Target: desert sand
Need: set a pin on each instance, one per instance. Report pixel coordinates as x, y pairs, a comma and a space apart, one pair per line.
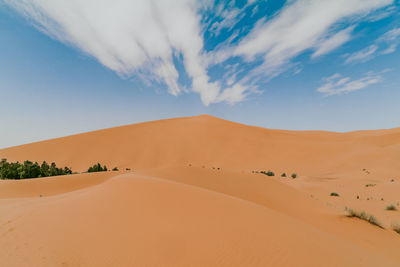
192, 198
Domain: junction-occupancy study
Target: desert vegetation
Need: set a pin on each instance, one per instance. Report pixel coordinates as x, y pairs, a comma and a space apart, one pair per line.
334, 194
363, 216
29, 169
396, 228
268, 173
97, 168
391, 207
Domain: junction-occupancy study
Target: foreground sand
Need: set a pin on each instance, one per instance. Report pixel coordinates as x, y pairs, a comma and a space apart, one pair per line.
192, 198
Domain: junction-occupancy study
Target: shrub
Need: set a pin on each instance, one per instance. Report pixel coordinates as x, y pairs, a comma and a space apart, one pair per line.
391, 207
115, 169
396, 228
294, 175
97, 168
29, 169
363, 216
369, 185
283, 174
333, 194
127, 169
268, 173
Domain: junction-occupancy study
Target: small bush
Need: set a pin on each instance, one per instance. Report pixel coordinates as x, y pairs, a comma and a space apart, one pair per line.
97, 168
391, 207
396, 228
333, 194
294, 175
283, 174
127, 169
115, 169
363, 216
268, 173
369, 185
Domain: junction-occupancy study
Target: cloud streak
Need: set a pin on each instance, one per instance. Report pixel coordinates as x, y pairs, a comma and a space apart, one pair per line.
390, 40
337, 84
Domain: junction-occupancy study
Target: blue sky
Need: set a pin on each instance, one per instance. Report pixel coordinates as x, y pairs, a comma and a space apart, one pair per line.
73, 66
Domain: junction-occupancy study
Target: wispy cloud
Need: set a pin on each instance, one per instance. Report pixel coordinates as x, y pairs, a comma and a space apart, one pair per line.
299, 26
363, 55
144, 37
385, 44
329, 44
391, 39
337, 84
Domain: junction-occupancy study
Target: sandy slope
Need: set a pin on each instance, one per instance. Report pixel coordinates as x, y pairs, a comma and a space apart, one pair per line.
209, 141
134, 220
192, 199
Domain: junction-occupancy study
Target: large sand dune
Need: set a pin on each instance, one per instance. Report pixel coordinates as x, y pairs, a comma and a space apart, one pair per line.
192, 199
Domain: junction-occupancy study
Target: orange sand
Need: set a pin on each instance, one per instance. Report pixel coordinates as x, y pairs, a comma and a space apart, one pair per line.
176, 208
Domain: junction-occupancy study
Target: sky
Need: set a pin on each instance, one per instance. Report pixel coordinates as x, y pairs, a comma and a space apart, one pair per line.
68, 67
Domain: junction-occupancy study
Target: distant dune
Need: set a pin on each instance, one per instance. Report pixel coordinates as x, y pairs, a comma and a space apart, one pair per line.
192, 198
206, 140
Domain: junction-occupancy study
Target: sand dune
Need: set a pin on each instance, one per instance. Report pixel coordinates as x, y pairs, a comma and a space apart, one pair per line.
192, 198
136, 221
206, 140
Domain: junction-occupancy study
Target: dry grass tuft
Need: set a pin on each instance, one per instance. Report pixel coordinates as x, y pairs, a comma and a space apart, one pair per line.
363, 216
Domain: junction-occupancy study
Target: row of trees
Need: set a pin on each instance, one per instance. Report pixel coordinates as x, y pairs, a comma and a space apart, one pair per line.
29, 169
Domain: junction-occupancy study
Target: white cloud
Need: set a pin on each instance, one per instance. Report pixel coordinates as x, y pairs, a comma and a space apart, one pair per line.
300, 25
336, 84
141, 37
229, 18
391, 39
363, 55
129, 36
331, 43
391, 49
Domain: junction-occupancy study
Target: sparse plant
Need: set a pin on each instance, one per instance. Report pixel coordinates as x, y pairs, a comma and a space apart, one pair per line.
334, 194
127, 169
391, 207
97, 168
396, 228
363, 216
283, 174
268, 173
115, 169
358, 197
294, 175
369, 185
